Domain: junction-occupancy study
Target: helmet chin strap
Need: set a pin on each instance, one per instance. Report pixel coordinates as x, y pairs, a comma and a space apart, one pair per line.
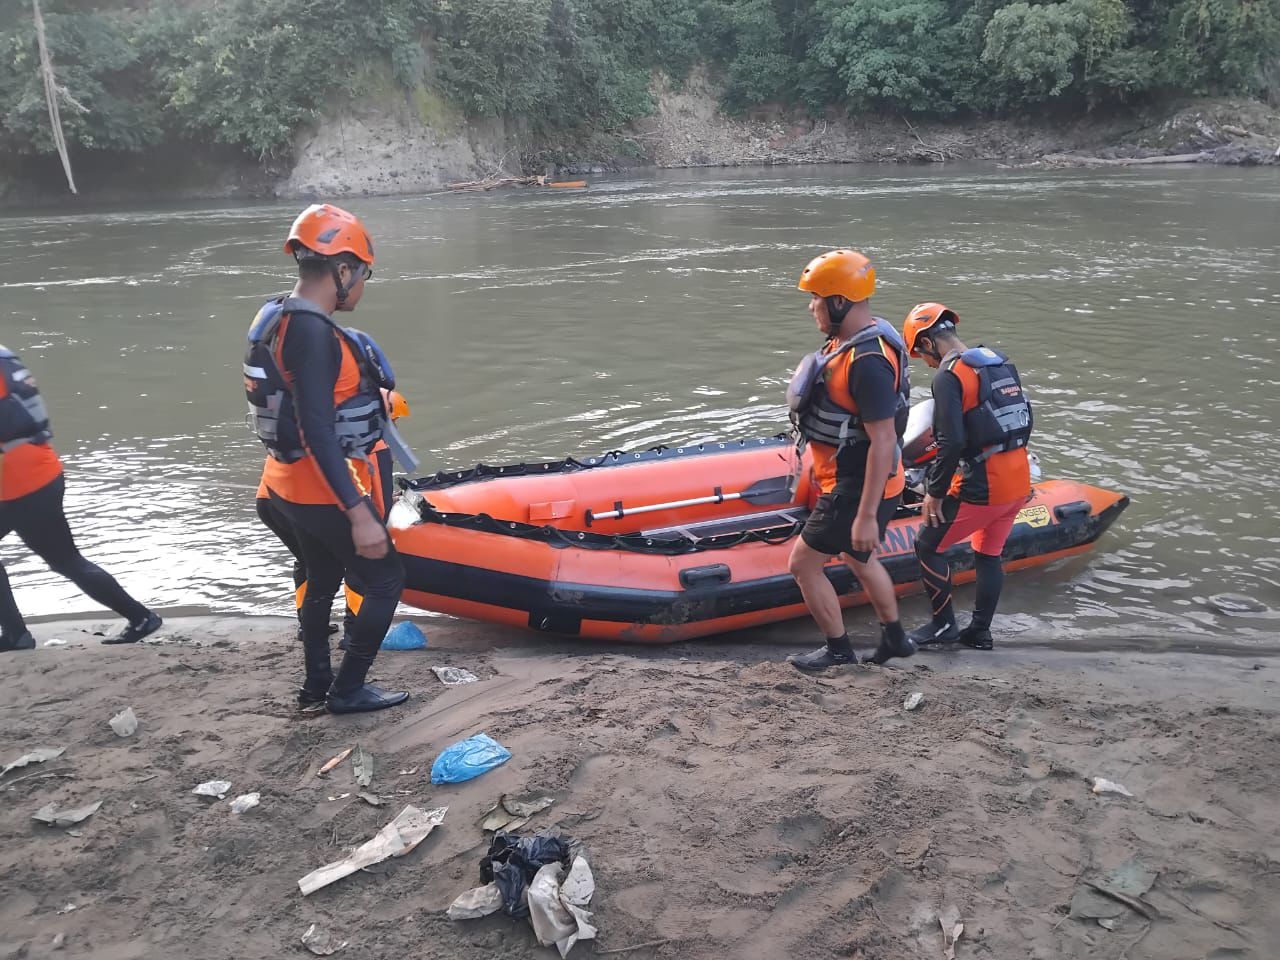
342, 290
836, 314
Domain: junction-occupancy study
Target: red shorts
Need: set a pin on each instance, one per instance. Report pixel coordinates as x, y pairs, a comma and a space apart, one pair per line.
988, 526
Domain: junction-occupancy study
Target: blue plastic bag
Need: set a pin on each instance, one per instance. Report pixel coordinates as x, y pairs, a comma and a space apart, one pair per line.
405, 635
467, 759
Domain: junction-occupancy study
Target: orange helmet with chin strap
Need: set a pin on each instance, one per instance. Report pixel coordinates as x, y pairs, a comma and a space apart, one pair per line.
323, 230
924, 318
844, 273
839, 273
327, 233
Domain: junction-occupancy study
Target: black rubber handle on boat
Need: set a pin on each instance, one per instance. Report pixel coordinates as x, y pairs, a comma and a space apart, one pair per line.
712, 573
1076, 508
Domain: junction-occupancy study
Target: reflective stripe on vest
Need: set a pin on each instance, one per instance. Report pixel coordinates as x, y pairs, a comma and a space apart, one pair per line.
24, 418
358, 421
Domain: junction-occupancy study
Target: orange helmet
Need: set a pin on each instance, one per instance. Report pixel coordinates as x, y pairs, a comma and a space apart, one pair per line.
923, 318
325, 230
844, 273
396, 405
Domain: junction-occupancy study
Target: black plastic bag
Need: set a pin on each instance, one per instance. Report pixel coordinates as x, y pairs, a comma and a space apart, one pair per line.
512, 862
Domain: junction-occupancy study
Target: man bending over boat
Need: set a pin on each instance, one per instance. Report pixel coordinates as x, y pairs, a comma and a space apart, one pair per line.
314, 390
849, 403
981, 476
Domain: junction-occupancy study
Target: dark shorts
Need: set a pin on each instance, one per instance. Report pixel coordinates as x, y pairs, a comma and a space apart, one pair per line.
829, 528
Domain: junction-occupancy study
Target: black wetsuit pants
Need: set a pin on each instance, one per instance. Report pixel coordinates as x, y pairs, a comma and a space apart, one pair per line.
276, 522
38, 518
329, 556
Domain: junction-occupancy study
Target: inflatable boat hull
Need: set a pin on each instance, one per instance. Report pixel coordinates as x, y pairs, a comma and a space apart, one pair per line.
525, 550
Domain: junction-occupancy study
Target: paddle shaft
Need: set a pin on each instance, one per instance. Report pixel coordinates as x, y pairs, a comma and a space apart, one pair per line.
757, 492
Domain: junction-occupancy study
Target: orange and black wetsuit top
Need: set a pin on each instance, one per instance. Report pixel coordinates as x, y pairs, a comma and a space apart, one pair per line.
959, 470
865, 382
322, 372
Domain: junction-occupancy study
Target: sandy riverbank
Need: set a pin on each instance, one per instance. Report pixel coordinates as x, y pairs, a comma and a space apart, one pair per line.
731, 806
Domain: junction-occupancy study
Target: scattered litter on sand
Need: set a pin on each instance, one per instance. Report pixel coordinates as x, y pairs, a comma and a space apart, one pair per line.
467, 759
405, 635
913, 701
952, 928
124, 723
321, 942
476, 902
396, 839
1101, 785
557, 910
218, 789
55, 817
522, 876
245, 802
512, 813
454, 676
1119, 889
38, 755
362, 766
372, 799
330, 764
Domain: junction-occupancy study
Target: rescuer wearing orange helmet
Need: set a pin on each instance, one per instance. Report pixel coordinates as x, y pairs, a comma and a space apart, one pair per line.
980, 477
315, 401
849, 403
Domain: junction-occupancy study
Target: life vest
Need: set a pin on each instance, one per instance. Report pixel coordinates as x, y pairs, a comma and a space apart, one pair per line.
998, 417
817, 417
359, 421
23, 415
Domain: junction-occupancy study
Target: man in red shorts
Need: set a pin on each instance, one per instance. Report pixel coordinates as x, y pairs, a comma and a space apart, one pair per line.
981, 477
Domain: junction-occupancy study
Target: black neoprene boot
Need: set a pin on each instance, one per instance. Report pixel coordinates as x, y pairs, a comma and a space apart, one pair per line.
893, 643
976, 637
936, 632
350, 694
319, 673
24, 641
136, 631
836, 652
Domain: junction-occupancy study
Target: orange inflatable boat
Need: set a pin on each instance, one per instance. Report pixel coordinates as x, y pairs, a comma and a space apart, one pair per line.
668, 544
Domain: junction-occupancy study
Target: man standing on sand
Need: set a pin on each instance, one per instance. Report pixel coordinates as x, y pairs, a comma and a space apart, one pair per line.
31, 493
981, 476
314, 391
849, 403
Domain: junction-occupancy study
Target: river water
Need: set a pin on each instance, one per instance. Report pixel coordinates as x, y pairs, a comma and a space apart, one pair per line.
1141, 307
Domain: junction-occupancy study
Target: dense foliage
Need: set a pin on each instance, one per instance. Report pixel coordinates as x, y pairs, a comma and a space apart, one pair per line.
135, 73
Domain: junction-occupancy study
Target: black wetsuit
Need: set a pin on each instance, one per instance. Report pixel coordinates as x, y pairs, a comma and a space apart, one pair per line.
311, 359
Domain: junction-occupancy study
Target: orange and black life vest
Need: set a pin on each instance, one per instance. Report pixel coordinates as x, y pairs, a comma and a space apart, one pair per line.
23, 415
997, 413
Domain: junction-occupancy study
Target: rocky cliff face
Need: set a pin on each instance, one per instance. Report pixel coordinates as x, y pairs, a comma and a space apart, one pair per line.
409, 148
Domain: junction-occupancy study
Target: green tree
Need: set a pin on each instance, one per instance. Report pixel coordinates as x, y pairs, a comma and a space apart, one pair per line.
108, 98
903, 54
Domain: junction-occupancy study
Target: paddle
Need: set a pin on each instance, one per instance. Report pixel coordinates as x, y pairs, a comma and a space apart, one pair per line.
762, 492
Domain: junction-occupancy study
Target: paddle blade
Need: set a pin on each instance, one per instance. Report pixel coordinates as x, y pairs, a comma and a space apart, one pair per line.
770, 491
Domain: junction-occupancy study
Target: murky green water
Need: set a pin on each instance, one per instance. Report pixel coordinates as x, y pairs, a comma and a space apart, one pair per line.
1141, 307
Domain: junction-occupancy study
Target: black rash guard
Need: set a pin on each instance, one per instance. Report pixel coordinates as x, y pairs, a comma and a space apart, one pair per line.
948, 431
311, 356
